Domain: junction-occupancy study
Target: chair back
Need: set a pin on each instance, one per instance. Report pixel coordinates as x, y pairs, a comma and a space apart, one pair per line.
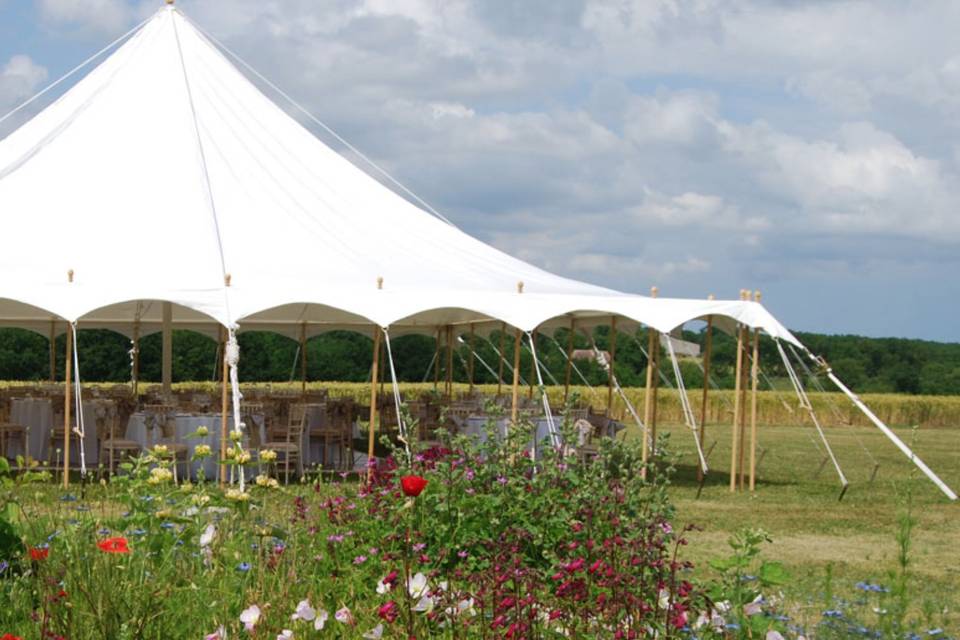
297, 423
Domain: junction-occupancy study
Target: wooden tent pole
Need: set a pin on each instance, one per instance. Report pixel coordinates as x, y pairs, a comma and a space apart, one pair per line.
224, 375
707, 348
303, 360
515, 407
166, 365
754, 382
53, 350
569, 368
738, 380
473, 356
503, 337
67, 401
613, 359
135, 365
744, 385
648, 395
533, 366
449, 372
436, 361
373, 401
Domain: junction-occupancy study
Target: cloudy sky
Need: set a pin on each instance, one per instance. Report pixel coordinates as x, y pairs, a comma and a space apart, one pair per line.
808, 149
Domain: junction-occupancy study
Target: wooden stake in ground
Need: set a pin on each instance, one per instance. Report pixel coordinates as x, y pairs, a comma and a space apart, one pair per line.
303, 360
224, 375
755, 375
373, 401
67, 406
738, 379
503, 337
613, 359
566, 375
473, 356
707, 348
515, 406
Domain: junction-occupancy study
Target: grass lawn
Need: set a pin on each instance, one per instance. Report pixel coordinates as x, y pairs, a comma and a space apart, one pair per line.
811, 530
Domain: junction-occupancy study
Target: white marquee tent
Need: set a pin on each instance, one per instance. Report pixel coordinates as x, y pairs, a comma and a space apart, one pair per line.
166, 176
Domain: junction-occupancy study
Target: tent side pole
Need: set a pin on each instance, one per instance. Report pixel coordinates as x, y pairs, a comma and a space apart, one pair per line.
166, 368
303, 360
436, 367
53, 350
613, 359
135, 373
738, 379
708, 347
569, 368
373, 401
67, 402
744, 385
755, 376
224, 375
449, 371
648, 399
473, 355
503, 337
515, 406
533, 366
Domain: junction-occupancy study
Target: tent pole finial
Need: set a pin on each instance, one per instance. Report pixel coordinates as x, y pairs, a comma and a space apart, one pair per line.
169, 1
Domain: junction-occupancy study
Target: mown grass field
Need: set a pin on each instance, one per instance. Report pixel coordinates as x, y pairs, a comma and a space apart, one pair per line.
811, 529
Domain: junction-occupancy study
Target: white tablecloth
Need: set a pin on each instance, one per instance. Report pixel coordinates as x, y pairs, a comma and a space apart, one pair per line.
184, 425
37, 415
477, 426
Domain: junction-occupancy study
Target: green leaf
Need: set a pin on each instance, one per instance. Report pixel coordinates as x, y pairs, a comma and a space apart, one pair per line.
773, 573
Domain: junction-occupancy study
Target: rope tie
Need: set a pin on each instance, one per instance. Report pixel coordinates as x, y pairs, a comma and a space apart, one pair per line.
551, 427
593, 392
616, 386
80, 429
688, 414
396, 394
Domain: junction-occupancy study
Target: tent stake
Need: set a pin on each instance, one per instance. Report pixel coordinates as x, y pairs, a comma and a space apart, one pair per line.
373, 402
708, 346
755, 375
67, 400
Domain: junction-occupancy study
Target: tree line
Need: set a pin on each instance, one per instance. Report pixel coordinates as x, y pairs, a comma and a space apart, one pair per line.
867, 364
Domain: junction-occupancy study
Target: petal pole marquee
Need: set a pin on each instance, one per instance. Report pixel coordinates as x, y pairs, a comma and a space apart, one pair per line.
164, 189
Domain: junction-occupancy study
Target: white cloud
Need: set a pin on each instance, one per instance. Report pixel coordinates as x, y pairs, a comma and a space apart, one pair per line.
20, 78
102, 16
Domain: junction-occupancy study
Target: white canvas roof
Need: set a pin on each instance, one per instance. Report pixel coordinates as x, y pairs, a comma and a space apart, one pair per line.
164, 171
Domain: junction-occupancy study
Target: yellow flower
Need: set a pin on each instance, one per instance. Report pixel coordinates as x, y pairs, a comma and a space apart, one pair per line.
161, 450
268, 455
202, 431
200, 499
237, 495
230, 453
202, 451
243, 457
159, 475
236, 435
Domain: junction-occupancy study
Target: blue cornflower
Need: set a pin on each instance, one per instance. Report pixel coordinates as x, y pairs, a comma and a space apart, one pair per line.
138, 532
104, 532
935, 632
69, 497
4, 565
167, 525
52, 535
833, 613
243, 566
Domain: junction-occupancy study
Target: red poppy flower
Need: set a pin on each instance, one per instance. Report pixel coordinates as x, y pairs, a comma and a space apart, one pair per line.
38, 553
112, 545
10, 636
413, 485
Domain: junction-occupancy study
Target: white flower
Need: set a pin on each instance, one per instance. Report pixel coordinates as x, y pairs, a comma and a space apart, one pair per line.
321, 620
343, 615
382, 587
774, 635
753, 608
466, 606
286, 634
374, 634
417, 585
663, 599
208, 535
304, 612
250, 617
425, 605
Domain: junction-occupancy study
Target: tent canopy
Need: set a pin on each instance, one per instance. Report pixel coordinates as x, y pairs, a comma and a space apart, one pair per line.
166, 175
